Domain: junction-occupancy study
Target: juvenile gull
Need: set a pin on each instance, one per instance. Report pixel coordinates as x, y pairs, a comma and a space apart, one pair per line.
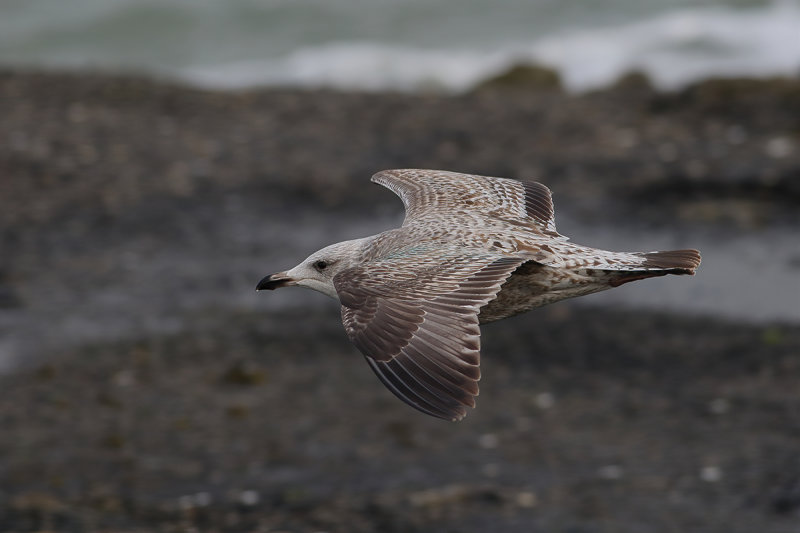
471, 250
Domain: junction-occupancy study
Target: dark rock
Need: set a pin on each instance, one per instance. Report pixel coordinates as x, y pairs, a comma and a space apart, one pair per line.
526, 78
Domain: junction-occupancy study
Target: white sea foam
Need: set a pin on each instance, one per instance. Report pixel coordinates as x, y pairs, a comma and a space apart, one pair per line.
674, 48
404, 44
680, 47
368, 66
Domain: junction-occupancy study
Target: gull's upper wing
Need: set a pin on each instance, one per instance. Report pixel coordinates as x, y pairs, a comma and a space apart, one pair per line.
438, 194
416, 321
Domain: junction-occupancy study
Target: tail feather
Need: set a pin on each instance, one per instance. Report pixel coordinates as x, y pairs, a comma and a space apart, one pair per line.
660, 264
676, 261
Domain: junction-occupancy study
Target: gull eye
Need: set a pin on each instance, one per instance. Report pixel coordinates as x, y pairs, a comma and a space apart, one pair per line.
321, 265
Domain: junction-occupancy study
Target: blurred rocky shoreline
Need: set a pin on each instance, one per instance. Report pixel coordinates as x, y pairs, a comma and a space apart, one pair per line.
724, 150
144, 387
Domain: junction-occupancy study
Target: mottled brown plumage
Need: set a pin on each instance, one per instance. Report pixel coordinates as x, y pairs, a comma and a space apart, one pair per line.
472, 249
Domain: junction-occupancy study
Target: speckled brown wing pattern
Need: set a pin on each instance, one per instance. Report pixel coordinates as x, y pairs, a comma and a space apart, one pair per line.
514, 217
420, 334
438, 194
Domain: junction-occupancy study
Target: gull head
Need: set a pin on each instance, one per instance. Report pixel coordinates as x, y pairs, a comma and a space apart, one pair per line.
318, 270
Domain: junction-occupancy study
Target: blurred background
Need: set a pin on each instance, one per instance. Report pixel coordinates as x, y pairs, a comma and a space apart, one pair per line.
404, 44
158, 158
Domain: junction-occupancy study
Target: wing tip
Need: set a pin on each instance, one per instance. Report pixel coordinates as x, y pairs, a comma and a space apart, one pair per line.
539, 204
452, 411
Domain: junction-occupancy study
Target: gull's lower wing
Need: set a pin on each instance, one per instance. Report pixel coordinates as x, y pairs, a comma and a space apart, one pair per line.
424, 344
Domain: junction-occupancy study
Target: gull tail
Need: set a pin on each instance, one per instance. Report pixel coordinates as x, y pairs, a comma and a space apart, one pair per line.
660, 264
675, 261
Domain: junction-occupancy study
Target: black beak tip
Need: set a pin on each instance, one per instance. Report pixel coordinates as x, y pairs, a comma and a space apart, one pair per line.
266, 284
271, 282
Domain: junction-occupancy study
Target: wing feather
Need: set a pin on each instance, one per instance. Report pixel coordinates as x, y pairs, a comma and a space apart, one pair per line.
439, 193
424, 346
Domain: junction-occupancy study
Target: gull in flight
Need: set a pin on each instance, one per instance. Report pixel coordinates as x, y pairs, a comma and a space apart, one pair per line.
472, 249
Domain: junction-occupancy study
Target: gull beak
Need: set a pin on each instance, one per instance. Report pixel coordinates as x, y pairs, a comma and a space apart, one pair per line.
275, 281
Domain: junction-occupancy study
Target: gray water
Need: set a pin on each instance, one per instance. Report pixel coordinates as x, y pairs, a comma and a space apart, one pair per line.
403, 44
